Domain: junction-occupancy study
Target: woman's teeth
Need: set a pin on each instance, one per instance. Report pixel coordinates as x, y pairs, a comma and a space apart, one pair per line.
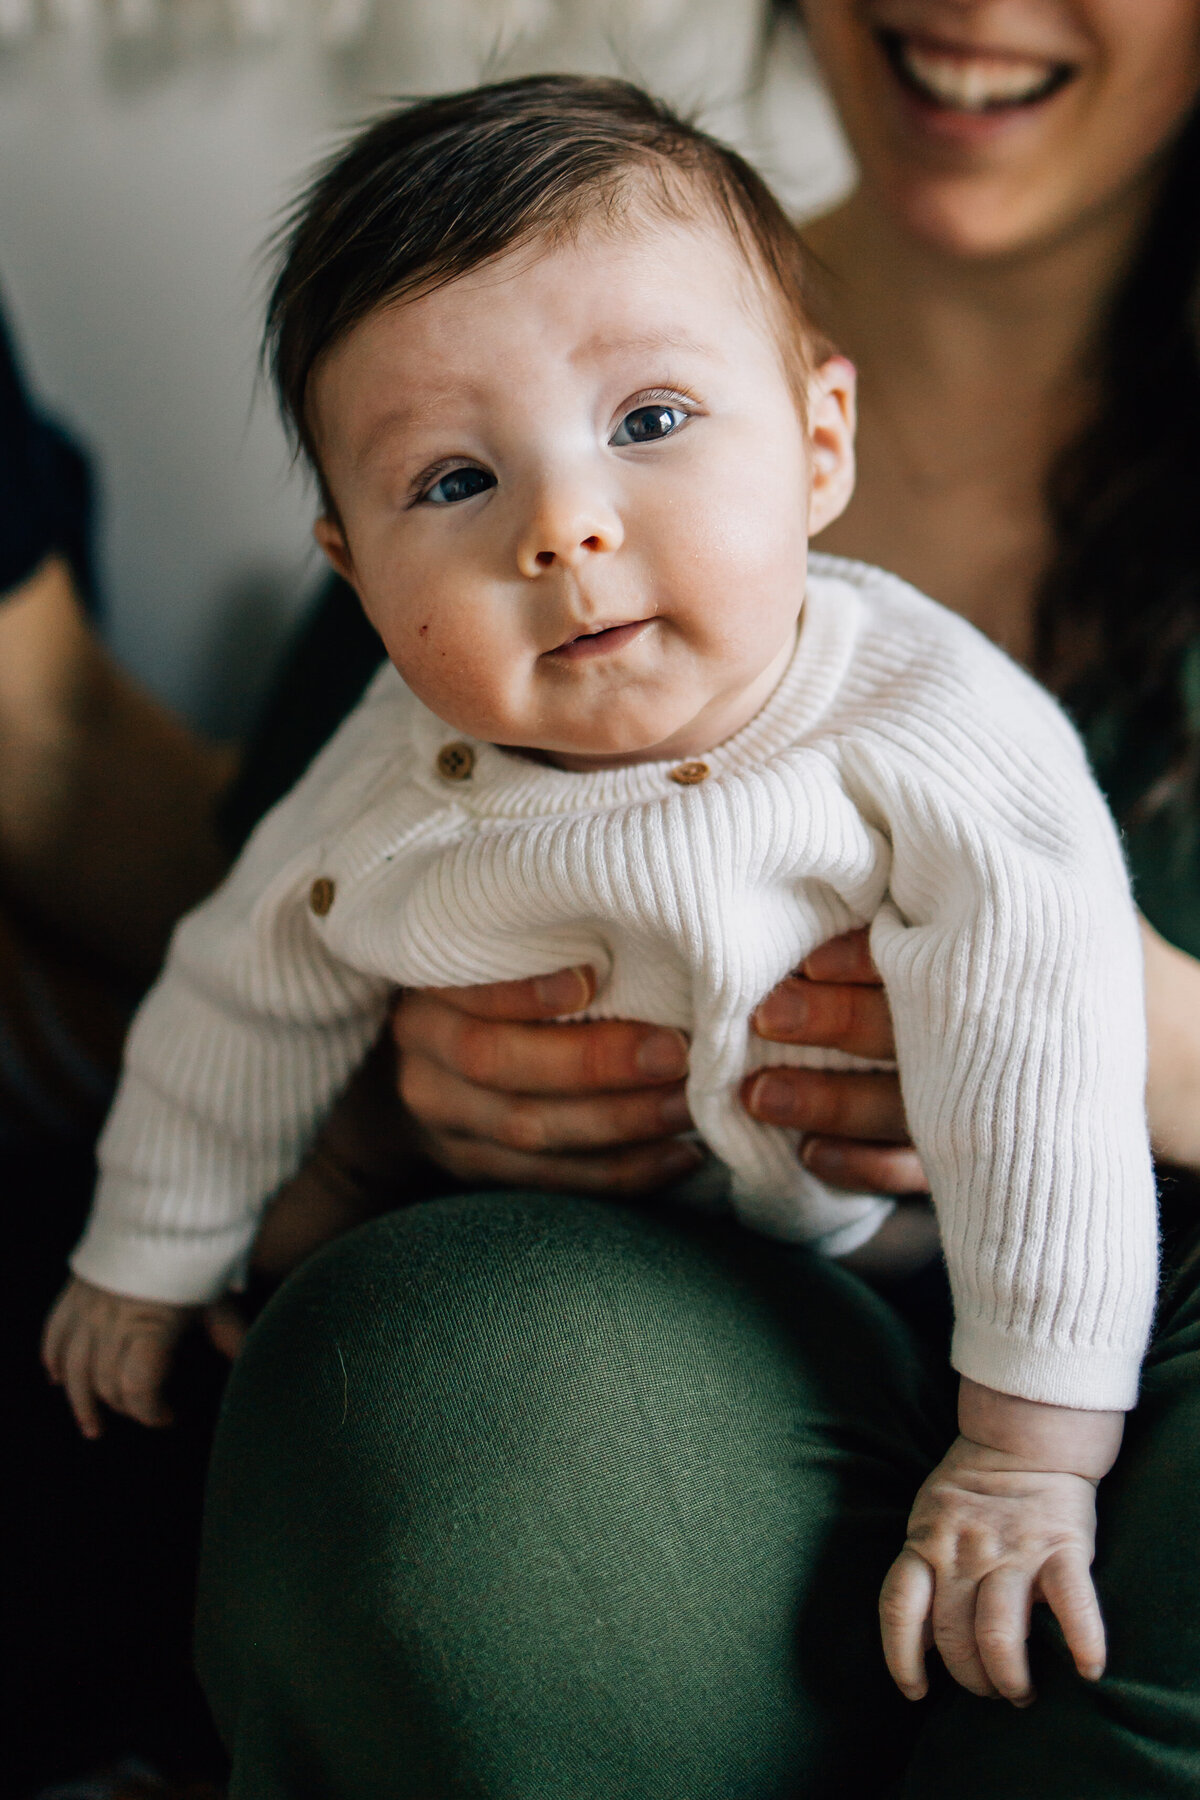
974, 84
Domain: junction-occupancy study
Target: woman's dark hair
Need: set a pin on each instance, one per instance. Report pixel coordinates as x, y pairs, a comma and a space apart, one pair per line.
439, 187
1122, 593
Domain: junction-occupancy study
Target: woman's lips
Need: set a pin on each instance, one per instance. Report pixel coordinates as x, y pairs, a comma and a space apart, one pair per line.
600, 643
952, 80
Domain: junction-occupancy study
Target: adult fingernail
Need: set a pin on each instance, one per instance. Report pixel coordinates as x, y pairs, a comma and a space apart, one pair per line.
663, 1055
566, 991
673, 1111
785, 1011
680, 1160
771, 1099
840, 959
822, 1157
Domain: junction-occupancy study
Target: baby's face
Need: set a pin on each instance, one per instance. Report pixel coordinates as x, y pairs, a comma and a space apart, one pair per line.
574, 492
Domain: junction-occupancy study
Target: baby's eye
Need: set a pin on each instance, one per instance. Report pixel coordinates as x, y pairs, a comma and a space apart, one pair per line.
648, 424
458, 484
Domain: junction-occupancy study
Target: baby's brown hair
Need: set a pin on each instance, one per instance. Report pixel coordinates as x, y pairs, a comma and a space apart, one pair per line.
437, 188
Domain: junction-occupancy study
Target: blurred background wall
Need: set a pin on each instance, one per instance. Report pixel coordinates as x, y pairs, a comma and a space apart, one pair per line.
146, 146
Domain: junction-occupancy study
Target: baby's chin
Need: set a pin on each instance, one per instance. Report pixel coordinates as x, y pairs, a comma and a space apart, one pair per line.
654, 726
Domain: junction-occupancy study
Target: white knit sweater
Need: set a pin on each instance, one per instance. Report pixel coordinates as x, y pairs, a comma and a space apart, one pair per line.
904, 772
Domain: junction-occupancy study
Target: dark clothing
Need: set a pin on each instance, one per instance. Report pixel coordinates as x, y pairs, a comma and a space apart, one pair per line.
45, 488
1157, 807
327, 666
520, 1495
98, 1602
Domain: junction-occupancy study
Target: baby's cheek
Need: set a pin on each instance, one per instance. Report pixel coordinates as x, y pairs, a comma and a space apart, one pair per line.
455, 676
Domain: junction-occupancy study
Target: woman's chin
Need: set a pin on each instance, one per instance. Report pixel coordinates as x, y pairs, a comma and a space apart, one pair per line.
974, 218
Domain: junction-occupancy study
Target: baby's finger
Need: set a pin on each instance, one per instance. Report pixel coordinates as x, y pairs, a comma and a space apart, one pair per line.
143, 1365
1065, 1584
77, 1379
54, 1336
1002, 1608
905, 1602
106, 1368
954, 1598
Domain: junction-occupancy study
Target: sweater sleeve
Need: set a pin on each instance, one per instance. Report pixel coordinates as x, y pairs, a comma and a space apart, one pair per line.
1010, 951
236, 1056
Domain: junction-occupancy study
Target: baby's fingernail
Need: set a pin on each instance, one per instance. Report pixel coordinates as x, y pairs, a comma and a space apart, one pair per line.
771, 1100
1024, 1700
567, 990
1092, 1671
663, 1055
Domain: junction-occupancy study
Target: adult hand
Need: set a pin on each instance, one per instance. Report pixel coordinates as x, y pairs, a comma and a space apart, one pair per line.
855, 1134
503, 1091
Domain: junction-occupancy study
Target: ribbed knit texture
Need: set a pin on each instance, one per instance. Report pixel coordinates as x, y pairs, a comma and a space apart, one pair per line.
904, 772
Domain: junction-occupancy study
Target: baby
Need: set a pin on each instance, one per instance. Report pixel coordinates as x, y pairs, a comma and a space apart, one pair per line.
546, 349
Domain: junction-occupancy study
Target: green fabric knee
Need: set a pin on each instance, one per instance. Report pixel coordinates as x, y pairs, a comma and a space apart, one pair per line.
526, 1496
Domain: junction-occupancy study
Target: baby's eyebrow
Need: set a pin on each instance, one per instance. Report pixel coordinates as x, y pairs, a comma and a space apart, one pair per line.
396, 418
604, 344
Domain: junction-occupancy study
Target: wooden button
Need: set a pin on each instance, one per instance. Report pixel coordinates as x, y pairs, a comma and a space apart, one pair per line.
455, 762
687, 774
320, 895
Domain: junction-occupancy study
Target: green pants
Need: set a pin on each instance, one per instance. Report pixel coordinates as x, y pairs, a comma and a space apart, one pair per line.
531, 1498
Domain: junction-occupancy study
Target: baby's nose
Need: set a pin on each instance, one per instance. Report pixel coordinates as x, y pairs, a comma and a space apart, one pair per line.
565, 531
546, 558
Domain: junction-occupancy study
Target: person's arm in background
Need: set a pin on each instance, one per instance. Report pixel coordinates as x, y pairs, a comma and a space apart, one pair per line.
106, 836
1173, 1016
106, 801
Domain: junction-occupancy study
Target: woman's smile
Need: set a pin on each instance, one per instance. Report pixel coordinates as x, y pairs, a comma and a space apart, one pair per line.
952, 78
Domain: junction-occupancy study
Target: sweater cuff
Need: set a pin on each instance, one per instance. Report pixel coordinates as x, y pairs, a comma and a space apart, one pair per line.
1093, 1378
179, 1270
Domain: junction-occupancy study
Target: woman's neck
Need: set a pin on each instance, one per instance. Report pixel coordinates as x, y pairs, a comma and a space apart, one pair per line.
973, 376
916, 319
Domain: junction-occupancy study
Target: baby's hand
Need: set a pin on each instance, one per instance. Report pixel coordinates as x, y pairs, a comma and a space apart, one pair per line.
995, 1528
103, 1346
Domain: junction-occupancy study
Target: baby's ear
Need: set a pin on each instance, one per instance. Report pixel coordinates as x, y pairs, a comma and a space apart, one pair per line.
332, 539
831, 417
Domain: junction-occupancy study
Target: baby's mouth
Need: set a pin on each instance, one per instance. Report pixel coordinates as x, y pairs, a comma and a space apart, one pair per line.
971, 81
600, 641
